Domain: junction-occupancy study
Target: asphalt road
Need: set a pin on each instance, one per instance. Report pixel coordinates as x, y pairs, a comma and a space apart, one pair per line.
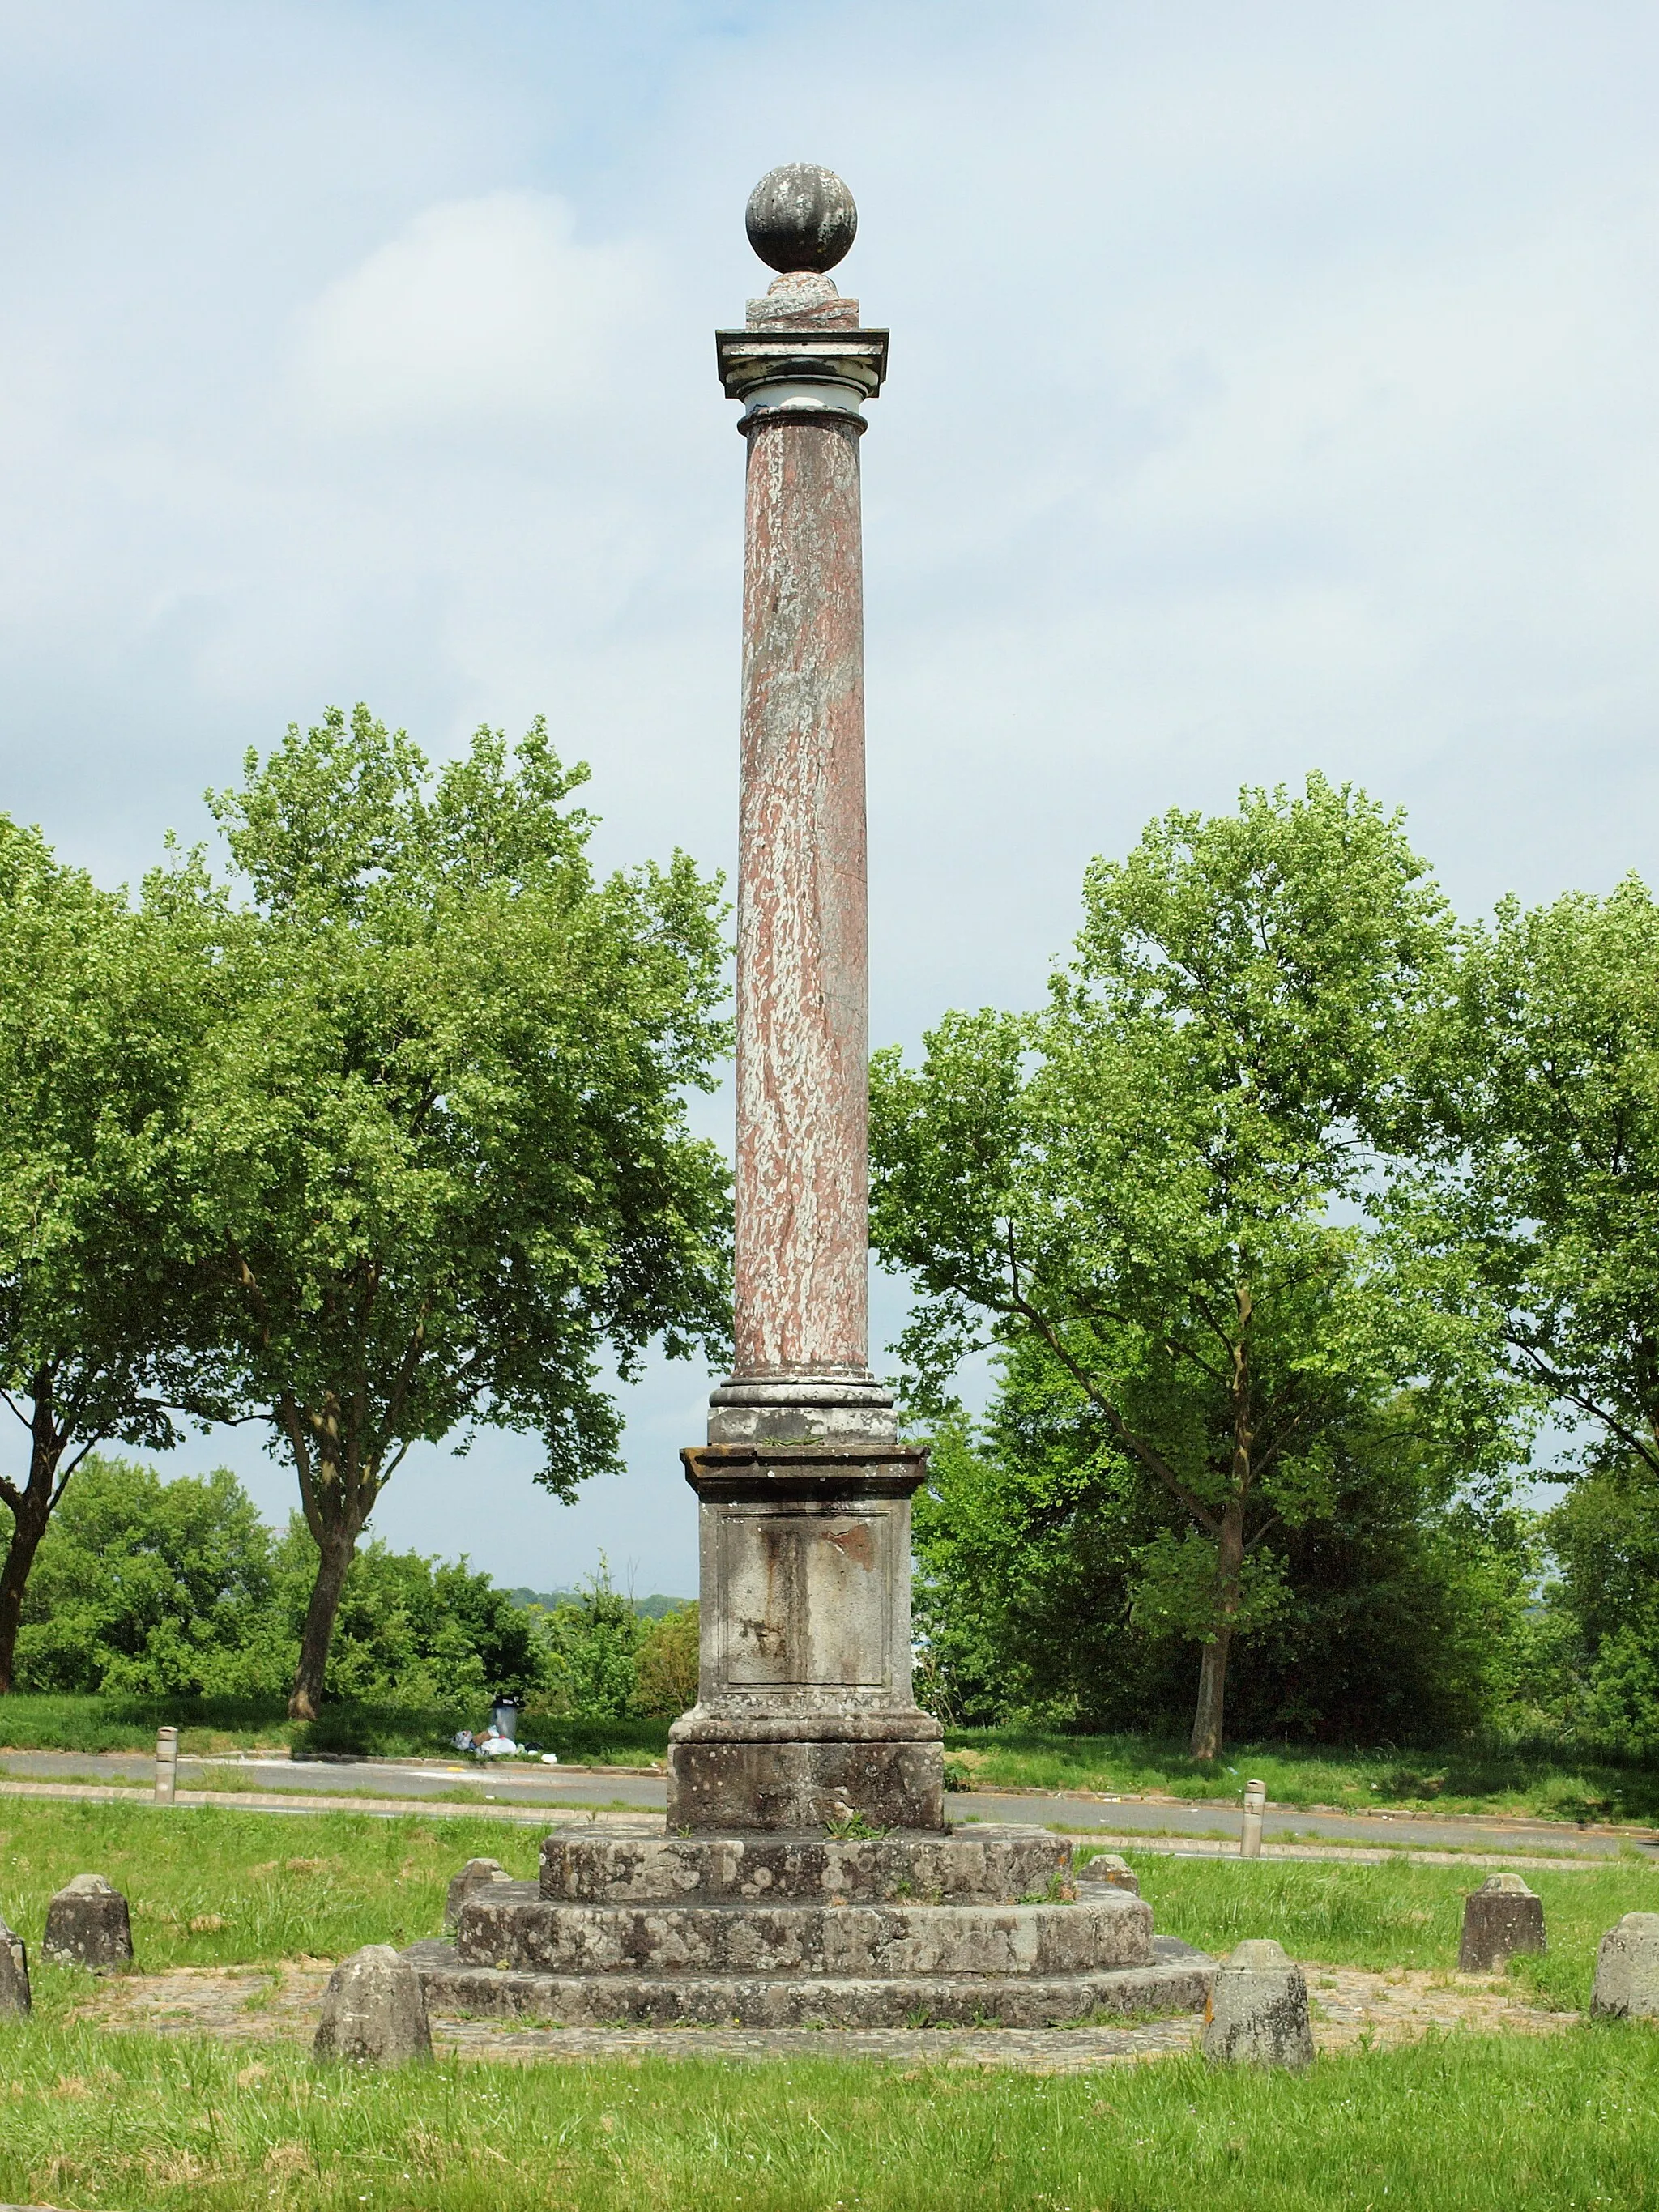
541, 1785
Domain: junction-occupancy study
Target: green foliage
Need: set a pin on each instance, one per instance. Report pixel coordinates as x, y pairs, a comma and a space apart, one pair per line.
1165, 1179
99, 1022
1398, 1616
147, 1587
665, 1670
1604, 1537
1545, 1199
591, 1644
436, 1148
143, 1586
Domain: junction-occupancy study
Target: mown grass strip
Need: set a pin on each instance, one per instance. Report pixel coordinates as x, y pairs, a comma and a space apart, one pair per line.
1457, 2124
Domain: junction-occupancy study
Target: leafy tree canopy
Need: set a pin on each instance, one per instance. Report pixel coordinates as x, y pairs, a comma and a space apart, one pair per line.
436, 1150
1162, 1175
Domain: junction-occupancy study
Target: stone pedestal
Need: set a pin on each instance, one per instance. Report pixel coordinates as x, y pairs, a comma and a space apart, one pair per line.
1257, 2013
793, 1931
373, 2011
804, 1717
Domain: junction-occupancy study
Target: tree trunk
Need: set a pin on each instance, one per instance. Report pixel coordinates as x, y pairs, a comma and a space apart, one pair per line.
334, 1558
28, 1529
31, 1509
1213, 1669
1211, 1696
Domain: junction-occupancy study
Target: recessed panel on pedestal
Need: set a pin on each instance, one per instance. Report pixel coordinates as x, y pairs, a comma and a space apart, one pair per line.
804, 1599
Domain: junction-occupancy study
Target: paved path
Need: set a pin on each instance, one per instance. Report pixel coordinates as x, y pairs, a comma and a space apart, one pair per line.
250, 2004
1119, 1820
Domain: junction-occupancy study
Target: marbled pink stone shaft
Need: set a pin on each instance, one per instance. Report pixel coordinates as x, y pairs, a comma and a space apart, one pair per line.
802, 1304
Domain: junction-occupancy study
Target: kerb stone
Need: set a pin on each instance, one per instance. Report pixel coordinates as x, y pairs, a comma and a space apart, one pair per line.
1501, 1918
88, 1925
475, 1874
373, 2011
1627, 1970
13, 1975
1257, 2013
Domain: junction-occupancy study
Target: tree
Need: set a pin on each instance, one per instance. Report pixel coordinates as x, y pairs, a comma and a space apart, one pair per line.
101, 1011
1162, 1174
1543, 1198
1403, 1612
1605, 1539
436, 1147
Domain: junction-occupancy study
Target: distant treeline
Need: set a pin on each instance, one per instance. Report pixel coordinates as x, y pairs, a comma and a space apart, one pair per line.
179, 1588
648, 1608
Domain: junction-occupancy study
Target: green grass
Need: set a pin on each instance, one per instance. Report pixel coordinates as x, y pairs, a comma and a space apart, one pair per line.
208, 1725
90, 2116
1395, 1915
290, 1885
1540, 1783
1458, 2124
277, 1886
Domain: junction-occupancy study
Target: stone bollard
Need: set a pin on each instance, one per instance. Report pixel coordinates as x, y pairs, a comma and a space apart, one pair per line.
1500, 1918
373, 2011
1257, 2013
87, 1925
1249, 1836
1106, 1871
473, 1876
13, 1975
1627, 1970
166, 1765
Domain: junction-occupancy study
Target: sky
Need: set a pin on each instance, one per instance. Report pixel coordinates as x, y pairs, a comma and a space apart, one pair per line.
1270, 389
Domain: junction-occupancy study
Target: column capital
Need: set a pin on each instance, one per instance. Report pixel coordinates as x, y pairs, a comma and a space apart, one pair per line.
821, 370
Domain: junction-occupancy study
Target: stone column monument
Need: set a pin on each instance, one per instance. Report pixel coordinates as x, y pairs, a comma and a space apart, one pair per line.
804, 1875
805, 1713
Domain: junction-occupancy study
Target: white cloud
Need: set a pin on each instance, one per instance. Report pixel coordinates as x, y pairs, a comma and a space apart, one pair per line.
479, 311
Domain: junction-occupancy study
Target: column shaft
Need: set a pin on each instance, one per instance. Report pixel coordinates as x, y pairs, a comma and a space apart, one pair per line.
803, 958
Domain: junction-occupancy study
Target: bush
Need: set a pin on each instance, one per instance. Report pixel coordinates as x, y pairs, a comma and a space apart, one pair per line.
666, 1673
146, 1586
590, 1646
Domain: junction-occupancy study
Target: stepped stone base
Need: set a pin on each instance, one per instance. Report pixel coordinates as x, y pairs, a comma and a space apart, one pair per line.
1176, 1983
983, 1925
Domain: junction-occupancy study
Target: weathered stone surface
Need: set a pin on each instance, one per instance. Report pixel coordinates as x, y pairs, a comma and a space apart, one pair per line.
475, 1874
1257, 2012
88, 1925
1176, 1982
375, 2011
985, 1863
1627, 1970
1106, 1871
508, 1925
805, 1784
1500, 1918
14, 1974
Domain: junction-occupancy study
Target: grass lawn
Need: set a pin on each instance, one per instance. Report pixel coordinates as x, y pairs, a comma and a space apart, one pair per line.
92, 2117
1549, 1784
1454, 2125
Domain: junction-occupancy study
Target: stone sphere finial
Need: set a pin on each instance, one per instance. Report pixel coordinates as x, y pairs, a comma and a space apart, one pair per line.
801, 217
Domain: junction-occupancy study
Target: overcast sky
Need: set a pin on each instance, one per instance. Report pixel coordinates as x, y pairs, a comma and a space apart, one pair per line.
1273, 386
